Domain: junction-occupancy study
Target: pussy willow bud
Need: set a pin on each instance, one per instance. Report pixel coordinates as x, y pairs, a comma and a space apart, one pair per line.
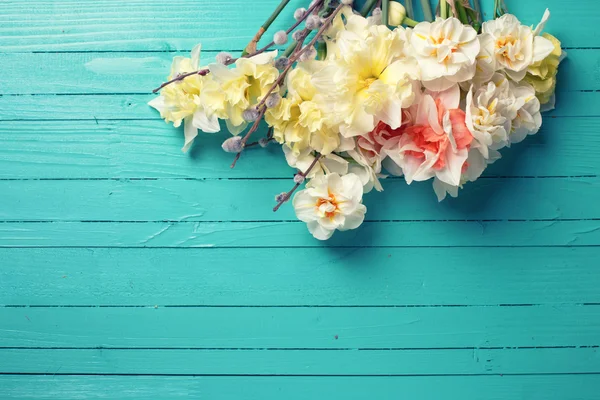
297, 36
397, 13
299, 179
224, 58
281, 197
233, 144
263, 142
250, 114
309, 54
280, 37
281, 63
299, 13
313, 22
273, 100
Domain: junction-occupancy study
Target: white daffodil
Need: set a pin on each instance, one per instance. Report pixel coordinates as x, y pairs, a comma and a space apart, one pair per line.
446, 51
244, 86
369, 80
515, 47
331, 202
488, 114
528, 118
193, 100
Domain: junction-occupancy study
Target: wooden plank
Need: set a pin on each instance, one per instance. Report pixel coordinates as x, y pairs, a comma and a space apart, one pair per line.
152, 149
302, 362
335, 277
548, 387
140, 72
296, 277
180, 24
239, 200
135, 107
290, 234
301, 327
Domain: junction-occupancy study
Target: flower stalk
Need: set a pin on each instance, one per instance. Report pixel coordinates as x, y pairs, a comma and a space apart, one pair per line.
461, 12
251, 48
410, 12
427, 13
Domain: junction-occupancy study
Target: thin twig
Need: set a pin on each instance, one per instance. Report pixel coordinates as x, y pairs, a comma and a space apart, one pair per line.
205, 71
297, 185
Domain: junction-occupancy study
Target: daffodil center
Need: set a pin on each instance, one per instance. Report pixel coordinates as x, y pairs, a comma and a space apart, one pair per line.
327, 207
365, 83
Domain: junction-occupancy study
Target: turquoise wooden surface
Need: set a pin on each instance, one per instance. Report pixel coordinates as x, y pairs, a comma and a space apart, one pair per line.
131, 271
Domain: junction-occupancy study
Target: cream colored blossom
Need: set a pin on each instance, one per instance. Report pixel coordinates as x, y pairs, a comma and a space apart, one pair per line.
243, 86
299, 120
515, 47
446, 51
329, 203
195, 100
368, 80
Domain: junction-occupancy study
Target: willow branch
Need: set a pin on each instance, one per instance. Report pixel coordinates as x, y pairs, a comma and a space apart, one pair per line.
297, 185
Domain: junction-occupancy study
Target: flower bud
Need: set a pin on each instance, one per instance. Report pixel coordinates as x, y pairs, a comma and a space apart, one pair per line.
233, 144
297, 36
298, 179
280, 37
347, 2
250, 114
309, 54
273, 100
281, 197
281, 63
397, 13
299, 14
313, 22
224, 58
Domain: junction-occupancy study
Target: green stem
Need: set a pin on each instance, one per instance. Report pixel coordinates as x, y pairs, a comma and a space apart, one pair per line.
477, 5
474, 19
462, 13
321, 50
443, 9
268, 23
368, 7
409, 22
290, 49
409, 8
427, 13
385, 12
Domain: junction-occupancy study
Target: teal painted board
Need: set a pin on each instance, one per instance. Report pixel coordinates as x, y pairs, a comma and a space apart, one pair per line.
340, 277
130, 270
533, 387
180, 24
565, 146
301, 327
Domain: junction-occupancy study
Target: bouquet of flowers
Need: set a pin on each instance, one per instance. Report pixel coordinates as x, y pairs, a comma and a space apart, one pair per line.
357, 96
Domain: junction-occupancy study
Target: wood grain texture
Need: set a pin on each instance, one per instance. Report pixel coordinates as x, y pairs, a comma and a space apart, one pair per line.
191, 326
180, 24
152, 149
340, 277
130, 270
551, 387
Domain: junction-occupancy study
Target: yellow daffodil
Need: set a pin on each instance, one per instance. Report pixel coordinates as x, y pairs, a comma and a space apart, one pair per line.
298, 120
542, 74
244, 86
193, 100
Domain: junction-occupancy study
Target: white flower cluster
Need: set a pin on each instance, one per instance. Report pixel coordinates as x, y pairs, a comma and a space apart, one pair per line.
437, 101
